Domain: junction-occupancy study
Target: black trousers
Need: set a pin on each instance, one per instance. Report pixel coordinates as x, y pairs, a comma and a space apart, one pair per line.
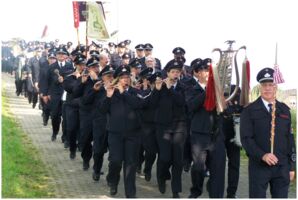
32, 97
149, 144
86, 134
56, 113
233, 154
100, 142
123, 150
262, 175
64, 122
203, 144
171, 145
73, 126
187, 158
45, 109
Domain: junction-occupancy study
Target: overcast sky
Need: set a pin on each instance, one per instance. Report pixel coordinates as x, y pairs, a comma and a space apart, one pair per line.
197, 26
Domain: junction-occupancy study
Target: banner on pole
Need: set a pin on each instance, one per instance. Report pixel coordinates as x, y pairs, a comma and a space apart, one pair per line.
76, 15
96, 25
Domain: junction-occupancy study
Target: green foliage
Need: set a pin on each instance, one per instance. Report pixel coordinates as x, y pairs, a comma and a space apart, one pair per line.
23, 173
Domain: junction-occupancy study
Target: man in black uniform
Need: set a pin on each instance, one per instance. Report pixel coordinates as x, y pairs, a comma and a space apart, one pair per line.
86, 107
140, 54
170, 120
148, 52
95, 96
34, 65
268, 166
116, 58
206, 136
45, 63
149, 147
55, 90
121, 105
72, 104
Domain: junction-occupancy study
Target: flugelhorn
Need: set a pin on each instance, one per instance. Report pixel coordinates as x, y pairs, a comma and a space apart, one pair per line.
222, 73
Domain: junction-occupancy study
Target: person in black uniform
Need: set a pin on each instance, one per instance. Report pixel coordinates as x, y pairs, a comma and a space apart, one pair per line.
72, 104
149, 146
170, 120
45, 63
276, 169
88, 79
122, 105
34, 66
116, 58
95, 96
232, 147
48, 57
140, 54
148, 52
206, 137
55, 90
128, 50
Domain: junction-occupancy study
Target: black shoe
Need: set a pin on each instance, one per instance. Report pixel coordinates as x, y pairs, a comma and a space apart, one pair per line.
54, 137
139, 169
130, 196
147, 177
85, 166
186, 167
232, 196
72, 155
45, 123
45, 119
66, 144
161, 186
176, 195
113, 190
95, 176
193, 196
33, 105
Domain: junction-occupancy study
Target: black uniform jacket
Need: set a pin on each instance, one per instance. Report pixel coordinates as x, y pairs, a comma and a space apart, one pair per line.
170, 105
255, 129
54, 87
123, 112
202, 121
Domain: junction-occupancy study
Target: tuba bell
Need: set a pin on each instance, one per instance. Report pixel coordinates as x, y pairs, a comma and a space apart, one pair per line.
222, 73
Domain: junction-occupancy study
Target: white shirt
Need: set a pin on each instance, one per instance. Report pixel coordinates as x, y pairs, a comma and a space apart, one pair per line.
59, 63
201, 84
266, 104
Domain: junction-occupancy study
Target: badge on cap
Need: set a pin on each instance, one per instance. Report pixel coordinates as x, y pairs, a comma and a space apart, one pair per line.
267, 75
123, 70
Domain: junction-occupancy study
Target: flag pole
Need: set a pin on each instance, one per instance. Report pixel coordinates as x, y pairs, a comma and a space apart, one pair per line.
78, 36
276, 54
273, 109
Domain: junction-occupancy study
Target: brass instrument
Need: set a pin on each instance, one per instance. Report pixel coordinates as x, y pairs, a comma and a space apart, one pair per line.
223, 75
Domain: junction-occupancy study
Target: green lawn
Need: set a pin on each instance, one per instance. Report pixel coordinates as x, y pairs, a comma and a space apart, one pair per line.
24, 175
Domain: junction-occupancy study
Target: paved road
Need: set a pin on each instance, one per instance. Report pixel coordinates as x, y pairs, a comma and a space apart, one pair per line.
67, 175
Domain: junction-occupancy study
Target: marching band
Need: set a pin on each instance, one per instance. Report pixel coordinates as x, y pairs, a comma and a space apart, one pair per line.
122, 102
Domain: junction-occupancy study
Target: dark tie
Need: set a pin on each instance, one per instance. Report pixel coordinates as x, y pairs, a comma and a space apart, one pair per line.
61, 65
270, 107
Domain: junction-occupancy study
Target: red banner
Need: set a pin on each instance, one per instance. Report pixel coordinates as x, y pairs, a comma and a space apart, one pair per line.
76, 15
